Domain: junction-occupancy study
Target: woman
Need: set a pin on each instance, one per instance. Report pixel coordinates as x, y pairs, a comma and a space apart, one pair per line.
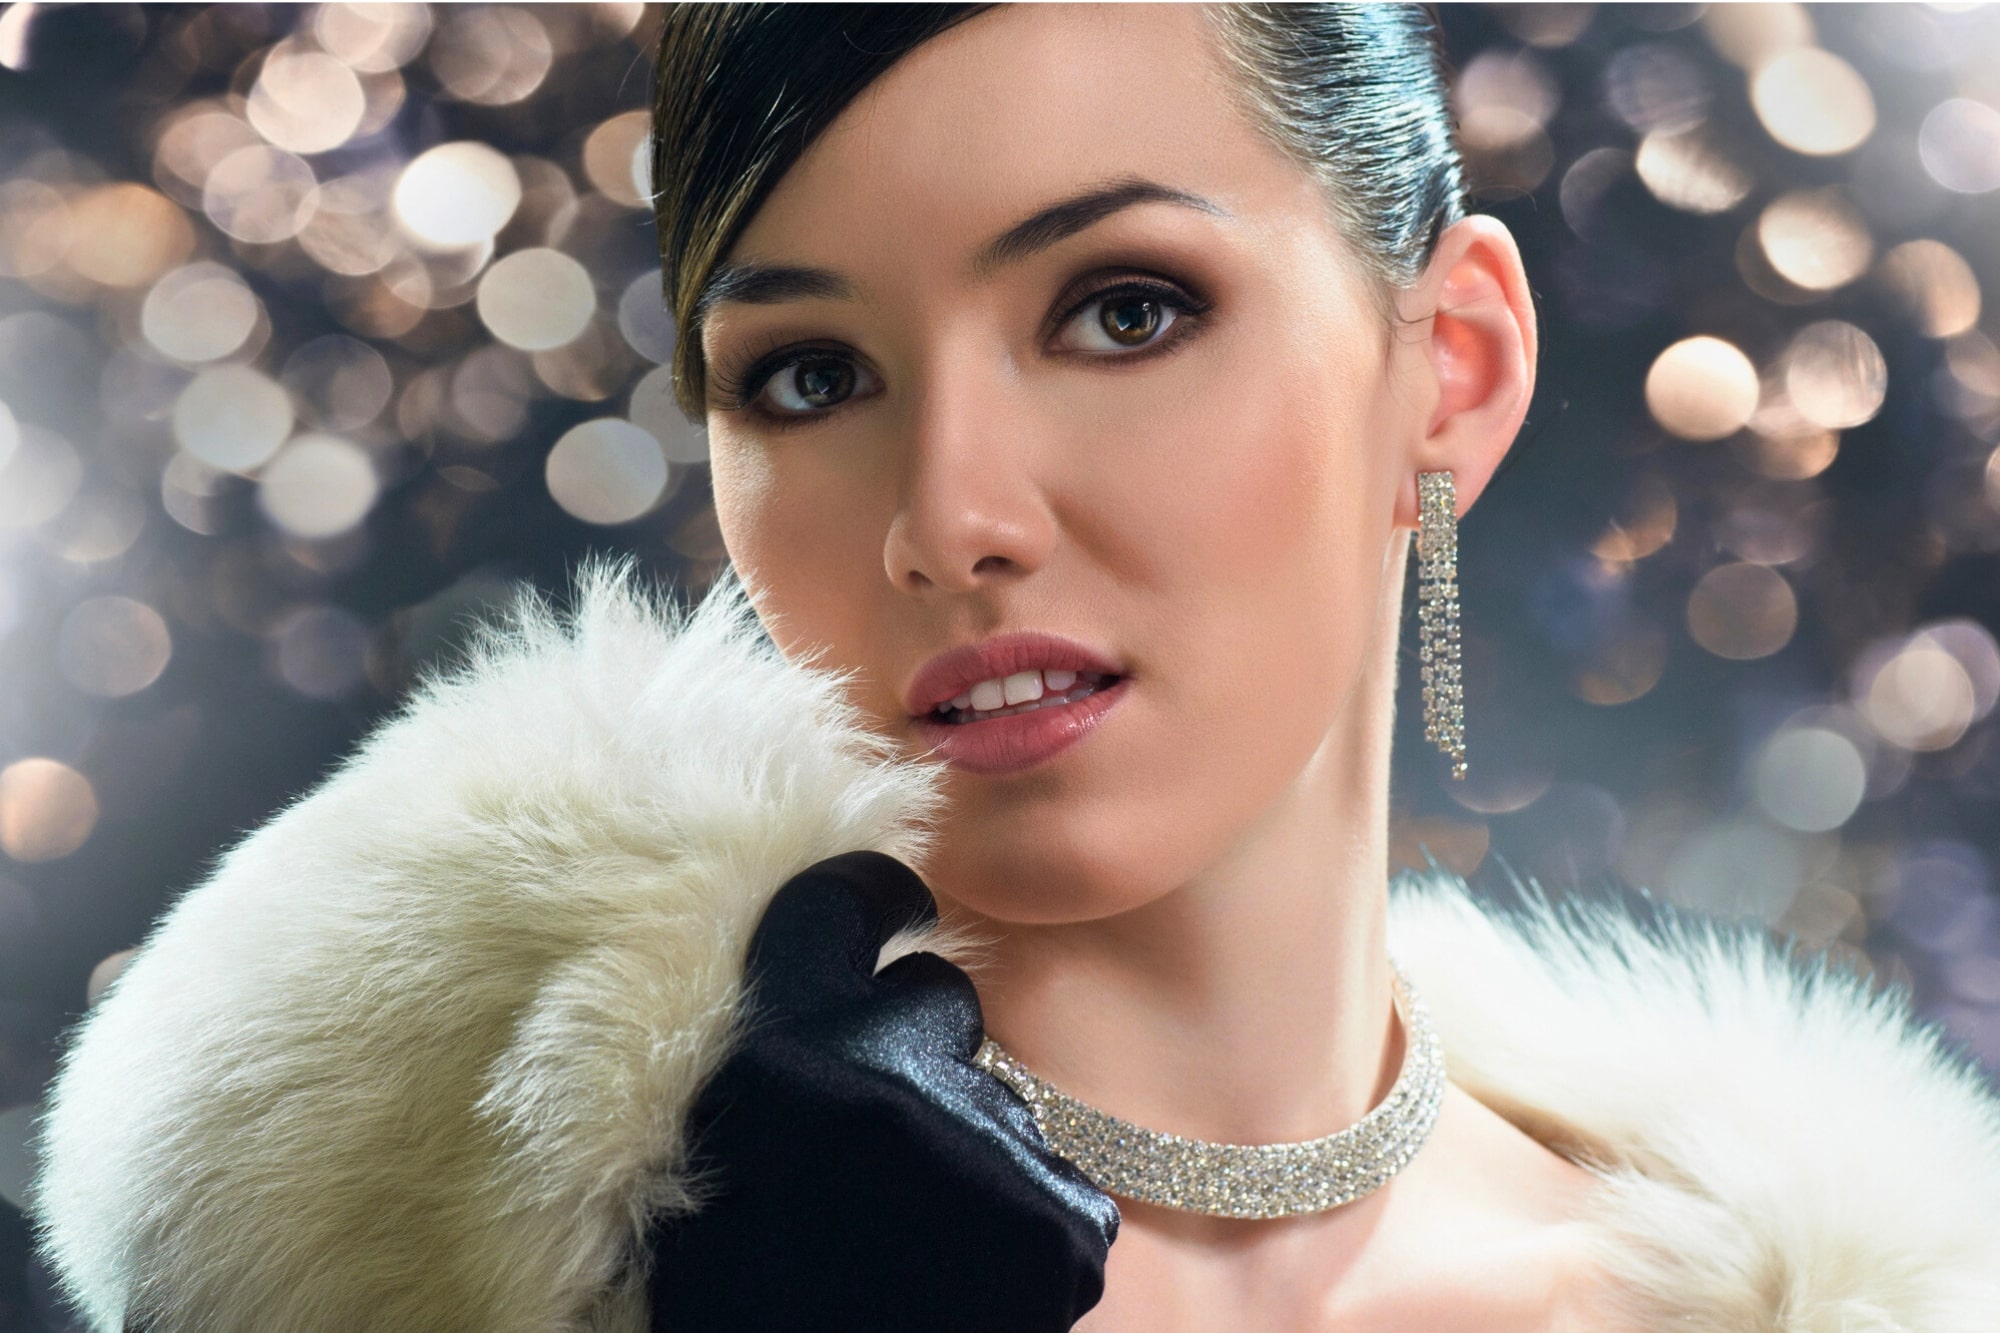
1129, 329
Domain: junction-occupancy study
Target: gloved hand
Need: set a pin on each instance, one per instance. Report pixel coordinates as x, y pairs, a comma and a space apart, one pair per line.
871, 1179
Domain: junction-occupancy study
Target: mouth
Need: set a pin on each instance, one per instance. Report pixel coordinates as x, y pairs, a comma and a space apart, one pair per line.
1033, 690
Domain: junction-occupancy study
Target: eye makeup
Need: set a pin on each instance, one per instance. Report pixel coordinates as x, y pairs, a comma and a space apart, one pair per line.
738, 382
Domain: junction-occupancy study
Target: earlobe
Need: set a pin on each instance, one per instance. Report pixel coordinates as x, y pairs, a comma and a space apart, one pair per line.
1480, 355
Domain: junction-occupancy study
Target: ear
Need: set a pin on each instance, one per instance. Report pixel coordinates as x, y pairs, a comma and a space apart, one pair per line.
1470, 345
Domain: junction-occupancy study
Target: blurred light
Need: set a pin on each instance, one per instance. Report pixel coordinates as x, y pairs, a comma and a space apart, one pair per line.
198, 313
1920, 699
1702, 388
614, 155
590, 367
38, 479
606, 471
1644, 524
351, 232
95, 528
1544, 25
341, 383
36, 228
125, 235
1973, 363
318, 486
1742, 611
1941, 895
653, 408
491, 55
47, 809
644, 319
1749, 35
1935, 284
1736, 868
1653, 86
373, 38
1624, 665
196, 138
1688, 170
535, 299
549, 205
10, 435
1503, 100
1835, 374
1972, 646
371, 307
1809, 778
113, 646
1960, 145
383, 96
193, 493
1584, 184
1815, 239
1764, 535
1791, 457
14, 25
261, 194
320, 651
304, 100
1812, 101
106, 972
457, 194
489, 394
232, 418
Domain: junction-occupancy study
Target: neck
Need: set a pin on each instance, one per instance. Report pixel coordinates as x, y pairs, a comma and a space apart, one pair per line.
1250, 1004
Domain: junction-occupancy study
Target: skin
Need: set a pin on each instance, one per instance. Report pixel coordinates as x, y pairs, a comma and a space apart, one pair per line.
1187, 908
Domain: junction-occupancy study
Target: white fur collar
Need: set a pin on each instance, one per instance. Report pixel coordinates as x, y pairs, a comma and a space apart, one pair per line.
416, 1055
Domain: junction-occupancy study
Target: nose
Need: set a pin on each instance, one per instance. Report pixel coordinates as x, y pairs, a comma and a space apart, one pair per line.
971, 510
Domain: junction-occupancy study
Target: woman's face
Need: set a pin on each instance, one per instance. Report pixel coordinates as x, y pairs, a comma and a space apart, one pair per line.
1201, 489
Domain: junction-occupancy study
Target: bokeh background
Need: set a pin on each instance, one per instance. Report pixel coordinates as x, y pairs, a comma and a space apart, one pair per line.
324, 327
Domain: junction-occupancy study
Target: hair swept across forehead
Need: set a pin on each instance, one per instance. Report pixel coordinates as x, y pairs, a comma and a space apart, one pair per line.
1354, 93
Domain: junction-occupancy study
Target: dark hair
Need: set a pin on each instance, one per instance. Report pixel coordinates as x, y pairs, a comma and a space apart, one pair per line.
1355, 94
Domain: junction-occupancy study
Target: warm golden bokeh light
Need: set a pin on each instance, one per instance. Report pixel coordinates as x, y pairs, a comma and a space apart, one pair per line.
1835, 374
232, 418
113, 646
615, 158
1815, 238
47, 809
1686, 169
1742, 611
536, 299
1935, 284
1812, 101
318, 486
457, 194
1702, 388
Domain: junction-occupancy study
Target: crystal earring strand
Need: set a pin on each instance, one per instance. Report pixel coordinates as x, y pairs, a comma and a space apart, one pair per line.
1437, 603
1259, 1180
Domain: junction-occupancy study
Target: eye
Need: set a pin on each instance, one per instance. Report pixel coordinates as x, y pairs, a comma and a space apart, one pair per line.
801, 384
1131, 315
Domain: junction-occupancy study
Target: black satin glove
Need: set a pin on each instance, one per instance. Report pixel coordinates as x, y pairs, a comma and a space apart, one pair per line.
871, 1179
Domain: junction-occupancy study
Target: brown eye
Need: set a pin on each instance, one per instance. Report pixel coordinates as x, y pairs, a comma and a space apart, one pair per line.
812, 382
1131, 316
1130, 320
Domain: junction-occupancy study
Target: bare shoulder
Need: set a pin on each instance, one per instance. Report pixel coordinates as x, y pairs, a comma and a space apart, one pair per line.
1490, 1237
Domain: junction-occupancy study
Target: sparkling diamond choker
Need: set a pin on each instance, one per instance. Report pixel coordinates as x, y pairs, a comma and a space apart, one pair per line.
1238, 1179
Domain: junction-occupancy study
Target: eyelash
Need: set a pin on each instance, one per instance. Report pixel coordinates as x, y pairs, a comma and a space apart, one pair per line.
739, 391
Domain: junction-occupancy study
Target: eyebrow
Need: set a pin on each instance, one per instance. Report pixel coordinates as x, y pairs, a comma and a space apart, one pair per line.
752, 283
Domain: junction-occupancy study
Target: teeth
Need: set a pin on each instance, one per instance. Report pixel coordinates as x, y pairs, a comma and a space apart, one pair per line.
1023, 687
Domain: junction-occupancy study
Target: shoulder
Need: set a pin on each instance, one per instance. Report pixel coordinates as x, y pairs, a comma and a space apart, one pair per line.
1776, 1139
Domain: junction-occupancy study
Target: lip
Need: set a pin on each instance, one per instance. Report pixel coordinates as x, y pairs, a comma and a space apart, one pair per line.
953, 672
1022, 740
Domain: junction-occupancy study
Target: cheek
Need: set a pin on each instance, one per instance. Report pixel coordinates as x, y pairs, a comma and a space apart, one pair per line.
786, 550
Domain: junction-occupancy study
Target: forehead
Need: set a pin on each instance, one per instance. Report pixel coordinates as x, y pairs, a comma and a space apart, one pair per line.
1010, 109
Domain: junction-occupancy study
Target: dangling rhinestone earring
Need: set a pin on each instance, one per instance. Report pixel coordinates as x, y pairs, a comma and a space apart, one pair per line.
1437, 610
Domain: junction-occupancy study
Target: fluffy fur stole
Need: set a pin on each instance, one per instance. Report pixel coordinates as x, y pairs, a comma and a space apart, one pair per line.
416, 1056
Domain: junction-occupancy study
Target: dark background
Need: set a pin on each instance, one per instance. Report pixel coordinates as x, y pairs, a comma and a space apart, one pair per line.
271, 438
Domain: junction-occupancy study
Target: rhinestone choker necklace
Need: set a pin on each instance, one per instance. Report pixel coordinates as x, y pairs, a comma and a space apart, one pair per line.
1241, 1179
